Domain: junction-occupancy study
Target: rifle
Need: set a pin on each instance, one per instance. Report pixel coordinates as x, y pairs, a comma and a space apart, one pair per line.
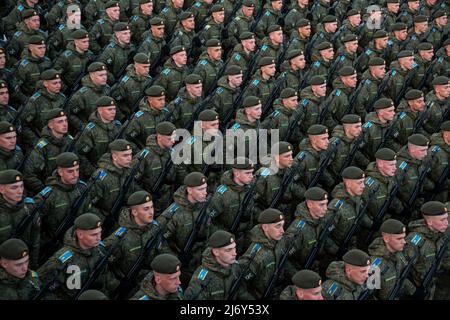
26, 220
411, 74
324, 163
389, 132
22, 163
275, 93
403, 276
427, 74
327, 105
353, 97
102, 263
294, 123
364, 294
334, 66
421, 119
338, 33
352, 153
440, 184
380, 90
75, 140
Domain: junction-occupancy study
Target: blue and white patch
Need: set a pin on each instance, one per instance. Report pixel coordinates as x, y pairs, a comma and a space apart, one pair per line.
376, 263
125, 79
119, 232
90, 125
265, 173
267, 13
338, 92
219, 90
416, 239
402, 114
20, 8
255, 82
332, 289
203, 62
101, 21
368, 52
403, 165
304, 102
368, 124
339, 204
316, 64
45, 191
36, 95
275, 114
42, 143
102, 175
65, 256
300, 225
166, 71
370, 181
435, 149
264, 47
17, 34
61, 27
202, 274
139, 113
144, 297
368, 82
191, 140
29, 200
301, 155
235, 127
237, 57
173, 207
221, 189
394, 72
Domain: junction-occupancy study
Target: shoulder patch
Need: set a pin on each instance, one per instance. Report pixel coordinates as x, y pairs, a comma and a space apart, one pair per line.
255, 82
139, 113
61, 27
125, 79
301, 155
416, 240
338, 92
28, 200
368, 124
191, 140
166, 71
101, 21
316, 64
219, 90
264, 47
339, 204
83, 89
332, 290
119, 232
402, 114
376, 263
42, 143
24, 62
45, 191
265, 173
36, 95
235, 127
369, 182
144, 297
20, 8
221, 189
102, 175
276, 113
237, 57
403, 165
368, 52
90, 125
17, 34
435, 149
304, 102
202, 274
300, 225
173, 207
203, 62
267, 13
67, 53
368, 82
65, 256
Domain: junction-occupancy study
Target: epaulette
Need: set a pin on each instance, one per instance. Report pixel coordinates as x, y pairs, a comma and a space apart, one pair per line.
440, 59
316, 64
390, 43
17, 34
416, 240
24, 62
119, 232
368, 52
45, 191
221, 189
402, 114
413, 37
275, 114
339, 204
414, 65
338, 92
111, 45
300, 225
134, 18
368, 124
28, 200
166, 71
219, 90
90, 125
61, 27
202, 274
368, 82
255, 82
435, 149
173, 207
101, 243
235, 127
191, 140
18, 148
237, 57
304, 102
83, 89
267, 13
125, 79
301, 155
102, 175
65, 256
403, 165
154, 222
178, 100
376, 263
165, 10
117, 123
265, 173
139, 113
36, 95
203, 62
20, 8
42, 143
144, 297
264, 47
333, 289
321, 35
370, 181
101, 21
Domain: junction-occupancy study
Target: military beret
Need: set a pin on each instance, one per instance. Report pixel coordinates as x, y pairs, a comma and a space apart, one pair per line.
413, 94
353, 173
233, 70
213, 43
242, 163
121, 26
10, 176
246, 35
385, 154
405, 54
273, 28
194, 179
318, 80
50, 74
288, 93
145, 1
392, 1
380, 34
155, 91
55, 113
6, 127
329, 19
349, 38
111, 4
67, 160
440, 81
399, 26
351, 119
383, 103
87, 221
445, 126
412, 0
138, 198
347, 71
439, 13
156, 21
96, 66
316, 194
28, 13
306, 279
141, 58
208, 115
3, 84
353, 12
166, 264
425, 46
293, 54
302, 23
356, 257
119, 145
185, 15
270, 216
248, 3
251, 101
418, 139
93, 294
392, 226
13, 249
446, 42
220, 239
177, 49
217, 8
105, 101
317, 129
376, 61
420, 18
193, 79
36, 39
282, 147
165, 128
266, 61
80, 34
324, 46
433, 208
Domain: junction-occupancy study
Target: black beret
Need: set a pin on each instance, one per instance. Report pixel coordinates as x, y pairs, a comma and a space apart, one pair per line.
138, 198
329, 19
220, 239
349, 38
270, 216
347, 71
246, 35
213, 43
353, 12
383, 103
353, 173
418, 140
351, 119
293, 54
193, 79
155, 91
413, 94
67, 160
120, 145
288, 93
36, 39
439, 13
105, 101
376, 61
55, 113
165, 128
399, 26
141, 58
92, 295
233, 70
166, 264
380, 34
177, 49
156, 21
217, 8
282, 147
266, 61
306, 279
248, 3
28, 13
324, 46
356, 257
242, 163
80, 34
87, 221
96, 66
10, 176
273, 28
6, 127
433, 208
251, 101
392, 226
194, 179
440, 81
13, 249
405, 54
420, 18
385, 154
316, 194
111, 4
302, 23
121, 26
318, 80
317, 129
208, 115
445, 126
185, 15
425, 46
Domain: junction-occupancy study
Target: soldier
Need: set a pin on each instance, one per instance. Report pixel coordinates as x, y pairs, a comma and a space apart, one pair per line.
321, 64
438, 174
15, 15
443, 56
242, 21
214, 278
213, 29
5, 73
293, 67
324, 33
227, 92
423, 58
83, 102
185, 32
419, 33
263, 82
319, 10
46, 99
409, 12
62, 8
344, 85
400, 71
97, 135
17, 281
440, 20
299, 11
376, 49
7, 113
249, 116
129, 90
428, 235
272, 45
83, 248
101, 32
437, 113
346, 279
307, 285
243, 53
174, 72
163, 283
352, 25
40, 163
389, 255
11, 155
141, 21
209, 65
300, 37
153, 42
170, 12
13, 208
270, 16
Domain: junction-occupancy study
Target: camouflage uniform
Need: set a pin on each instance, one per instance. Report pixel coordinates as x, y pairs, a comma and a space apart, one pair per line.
57, 13
282, 118
183, 107
224, 97
312, 108
101, 34
115, 57
169, 14
19, 41
240, 58
260, 87
10, 159
139, 24
172, 79
212, 30
13, 288
407, 120
152, 47
208, 69
436, 112
268, 18
238, 25
147, 291
439, 165
294, 15
397, 79
367, 94
340, 98
15, 16
58, 40
93, 11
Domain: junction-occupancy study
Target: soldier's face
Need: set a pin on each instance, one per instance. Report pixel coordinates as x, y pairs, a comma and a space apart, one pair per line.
195, 90
351, 46
309, 294
414, 5
350, 81
317, 209
276, 37
353, 130
165, 141
285, 160
357, 274
421, 26
215, 53
88, 239
53, 86
37, 50
235, 80
406, 62
33, 23
82, 44
59, 125
69, 176
198, 194
4, 96
305, 32
123, 158
291, 102
210, 128
387, 168
143, 213
303, 3
158, 31
16, 268
178, 3
243, 177
319, 90
269, 70
393, 7
123, 36
147, 8
395, 242
157, 103
299, 62
442, 90
427, 55
355, 20
417, 152
219, 17
277, 5
8, 141
437, 223
274, 231
74, 18
107, 114
327, 54
331, 27
113, 13
250, 44
142, 69
418, 104
354, 186
226, 256
387, 114
248, 11
2, 60
180, 58
99, 78
13, 193
441, 21
168, 282
401, 34
381, 42
378, 71
254, 113
188, 24
320, 142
